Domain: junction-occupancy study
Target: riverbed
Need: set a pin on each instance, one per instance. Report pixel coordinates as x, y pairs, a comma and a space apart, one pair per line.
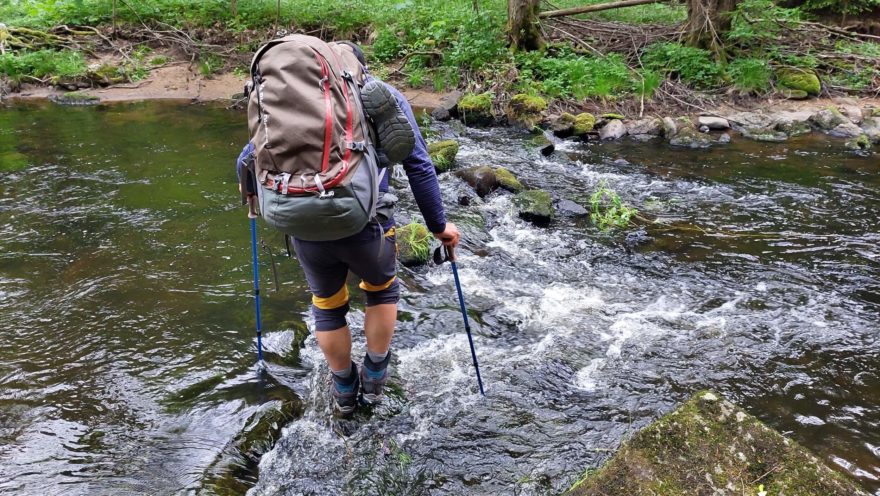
128, 330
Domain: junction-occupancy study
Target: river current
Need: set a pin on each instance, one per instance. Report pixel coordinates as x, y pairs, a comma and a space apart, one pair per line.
128, 331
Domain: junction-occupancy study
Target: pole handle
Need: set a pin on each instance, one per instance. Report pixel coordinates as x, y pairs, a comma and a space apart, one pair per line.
252, 207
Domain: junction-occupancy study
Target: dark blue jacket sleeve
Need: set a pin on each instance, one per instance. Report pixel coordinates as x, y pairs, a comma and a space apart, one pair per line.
420, 171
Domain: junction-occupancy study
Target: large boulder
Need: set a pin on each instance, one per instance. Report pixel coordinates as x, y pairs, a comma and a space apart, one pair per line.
645, 128
448, 106
709, 446
482, 178
526, 110
413, 244
614, 130
535, 206
443, 154
476, 109
799, 79
506, 180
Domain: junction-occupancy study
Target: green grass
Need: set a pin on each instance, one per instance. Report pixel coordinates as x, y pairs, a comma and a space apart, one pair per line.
750, 75
659, 13
43, 64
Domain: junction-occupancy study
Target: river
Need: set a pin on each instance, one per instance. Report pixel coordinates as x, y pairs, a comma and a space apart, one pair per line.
128, 331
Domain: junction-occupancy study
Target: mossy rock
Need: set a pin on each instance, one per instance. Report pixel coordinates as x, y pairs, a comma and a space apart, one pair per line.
526, 110
563, 125
443, 154
535, 206
709, 446
794, 94
413, 244
828, 119
799, 79
583, 123
861, 143
476, 109
611, 116
507, 180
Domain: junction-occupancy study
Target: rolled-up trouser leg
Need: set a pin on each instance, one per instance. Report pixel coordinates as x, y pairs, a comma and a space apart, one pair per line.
326, 276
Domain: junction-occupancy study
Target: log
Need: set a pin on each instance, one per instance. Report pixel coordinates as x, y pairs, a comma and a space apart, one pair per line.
596, 8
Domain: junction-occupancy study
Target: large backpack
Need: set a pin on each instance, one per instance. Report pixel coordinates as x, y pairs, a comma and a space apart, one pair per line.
315, 160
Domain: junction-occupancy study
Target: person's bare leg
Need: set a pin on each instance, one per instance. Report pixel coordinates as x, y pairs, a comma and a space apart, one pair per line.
379, 327
336, 345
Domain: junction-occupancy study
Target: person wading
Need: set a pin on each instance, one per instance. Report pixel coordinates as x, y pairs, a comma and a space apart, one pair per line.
323, 132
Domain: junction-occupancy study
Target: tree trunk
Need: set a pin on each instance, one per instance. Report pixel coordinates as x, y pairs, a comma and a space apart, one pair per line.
522, 25
708, 21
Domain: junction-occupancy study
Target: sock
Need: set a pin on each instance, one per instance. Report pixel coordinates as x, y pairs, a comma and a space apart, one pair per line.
344, 377
377, 362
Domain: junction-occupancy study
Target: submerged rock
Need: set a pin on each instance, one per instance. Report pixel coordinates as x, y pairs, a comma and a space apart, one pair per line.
413, 244
535, 206
710, 446
476, 109
507, 180
614, 130
804, 80
443, 154
482, 178
526, 110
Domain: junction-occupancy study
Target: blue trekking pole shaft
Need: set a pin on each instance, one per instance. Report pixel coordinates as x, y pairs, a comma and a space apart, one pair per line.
464, 315
252, 215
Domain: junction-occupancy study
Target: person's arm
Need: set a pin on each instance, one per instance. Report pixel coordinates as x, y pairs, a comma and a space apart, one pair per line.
423, 181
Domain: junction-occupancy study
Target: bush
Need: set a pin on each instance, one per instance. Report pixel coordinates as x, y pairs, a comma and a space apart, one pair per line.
842, 6
692, 65
750, 75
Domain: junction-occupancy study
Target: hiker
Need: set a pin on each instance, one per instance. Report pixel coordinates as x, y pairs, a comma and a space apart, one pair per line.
370, 254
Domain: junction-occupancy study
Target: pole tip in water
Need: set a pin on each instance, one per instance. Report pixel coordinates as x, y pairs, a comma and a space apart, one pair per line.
261, 368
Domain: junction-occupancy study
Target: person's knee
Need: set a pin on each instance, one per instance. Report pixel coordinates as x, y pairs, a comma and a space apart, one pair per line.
330, 311
382, 294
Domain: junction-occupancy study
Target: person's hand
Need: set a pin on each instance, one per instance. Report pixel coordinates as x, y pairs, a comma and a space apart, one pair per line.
450, 236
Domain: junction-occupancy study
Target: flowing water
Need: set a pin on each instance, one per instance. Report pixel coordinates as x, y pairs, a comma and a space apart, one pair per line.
128, 332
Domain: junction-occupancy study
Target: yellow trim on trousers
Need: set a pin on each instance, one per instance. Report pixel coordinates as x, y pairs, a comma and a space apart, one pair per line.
329, 303
374, 287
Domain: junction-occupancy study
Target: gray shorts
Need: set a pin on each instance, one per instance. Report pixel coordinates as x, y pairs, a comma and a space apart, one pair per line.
370, 254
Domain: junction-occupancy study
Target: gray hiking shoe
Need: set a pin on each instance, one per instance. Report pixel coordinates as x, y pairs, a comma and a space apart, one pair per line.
345, 395
396, 136
373, 377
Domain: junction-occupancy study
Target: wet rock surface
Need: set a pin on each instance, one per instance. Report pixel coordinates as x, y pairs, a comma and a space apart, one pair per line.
708, 445
482, 178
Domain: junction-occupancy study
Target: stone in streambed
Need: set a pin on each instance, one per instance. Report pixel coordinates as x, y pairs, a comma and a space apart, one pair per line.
562, 125
413, 244
828, 119
443, 154
845, 130
670, 128
863, 142
543, 141
535, 206
482, 178
506, 180
688, 136
526, 110
871, 128
583, 124
614, 130
448, 106
714, 123
799, 79
645, 128
766, 135
476, 109
793, 123
708, 445
568, 208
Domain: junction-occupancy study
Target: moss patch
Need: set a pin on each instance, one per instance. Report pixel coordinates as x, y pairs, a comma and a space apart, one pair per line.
476, 108
710, 446
526, 110
413, 244
12, 161
799, 79
583, 123
611, 116
443, 154
534, 206
507, 180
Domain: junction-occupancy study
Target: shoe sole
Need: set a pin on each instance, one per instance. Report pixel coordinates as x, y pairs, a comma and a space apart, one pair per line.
396, 135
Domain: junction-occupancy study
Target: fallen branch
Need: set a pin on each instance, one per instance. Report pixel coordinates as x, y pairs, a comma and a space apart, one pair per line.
596, 8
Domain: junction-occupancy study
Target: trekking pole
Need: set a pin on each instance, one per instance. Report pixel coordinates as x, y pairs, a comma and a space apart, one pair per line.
450, 255
252, 215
